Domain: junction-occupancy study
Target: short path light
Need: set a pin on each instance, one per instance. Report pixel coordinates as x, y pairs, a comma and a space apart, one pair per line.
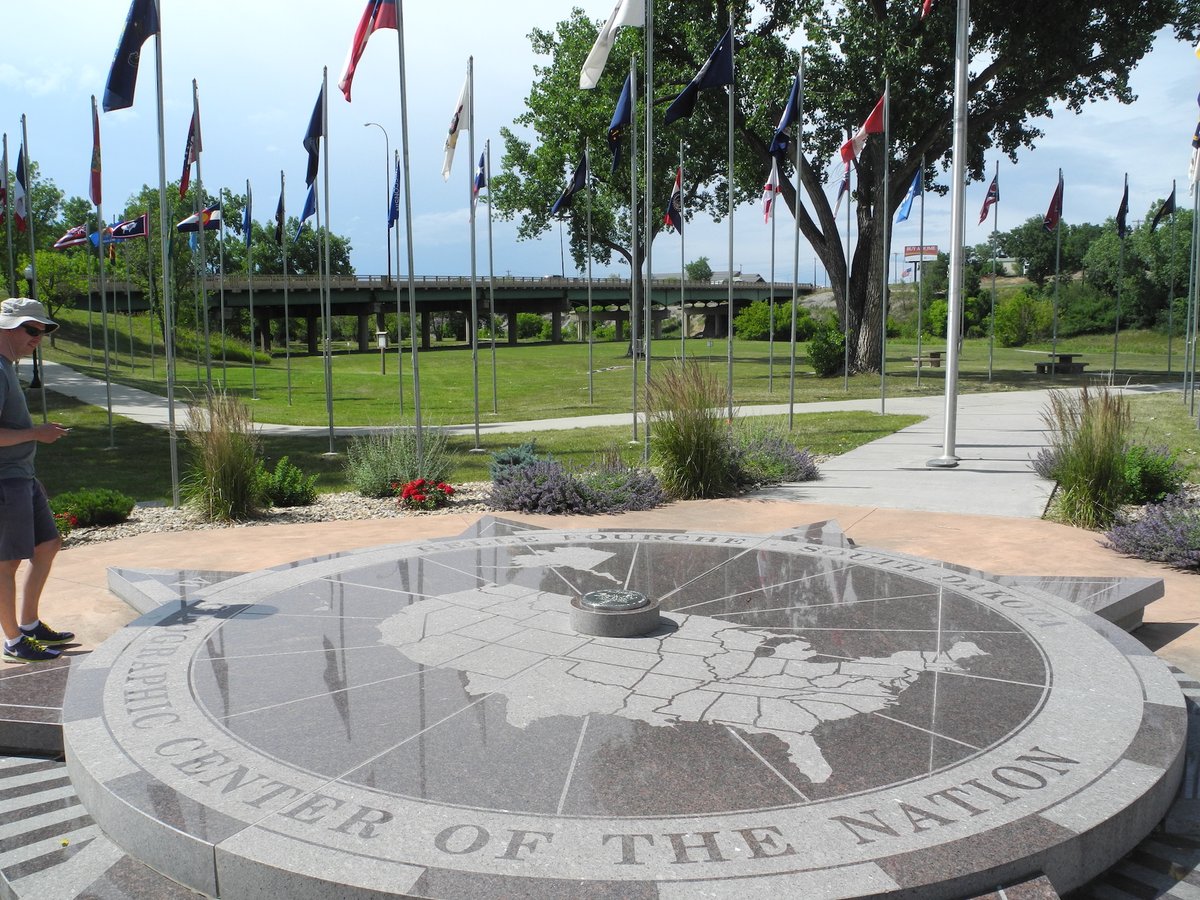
381, 341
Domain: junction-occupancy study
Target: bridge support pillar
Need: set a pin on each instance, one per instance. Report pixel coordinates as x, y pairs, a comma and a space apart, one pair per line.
262, 331
425, 329
619, 329
512, 327
314, 335
364, 342
556, 327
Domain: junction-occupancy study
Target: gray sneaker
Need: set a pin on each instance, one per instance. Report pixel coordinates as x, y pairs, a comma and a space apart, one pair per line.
29, 650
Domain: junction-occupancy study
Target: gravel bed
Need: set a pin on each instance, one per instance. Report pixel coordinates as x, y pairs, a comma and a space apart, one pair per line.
468, 499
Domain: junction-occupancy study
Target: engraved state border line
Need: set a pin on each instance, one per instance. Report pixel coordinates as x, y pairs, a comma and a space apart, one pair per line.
763, 588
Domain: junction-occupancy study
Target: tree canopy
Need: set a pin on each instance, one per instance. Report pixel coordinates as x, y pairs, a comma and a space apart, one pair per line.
1026, 55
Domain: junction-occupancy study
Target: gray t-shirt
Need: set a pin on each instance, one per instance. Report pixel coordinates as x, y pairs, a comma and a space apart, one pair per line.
15, 461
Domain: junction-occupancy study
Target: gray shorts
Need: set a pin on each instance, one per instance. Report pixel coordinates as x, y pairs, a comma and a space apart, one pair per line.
25, 518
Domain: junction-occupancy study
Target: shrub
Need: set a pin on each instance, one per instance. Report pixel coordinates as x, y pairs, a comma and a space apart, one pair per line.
375, 461
767, 455
286, 485
1087, 444
620, 487
546, 486
422, 494
532, 326
511, 457
690, 440
543, 486
1021, 318
1151, 474
827, 349
222, 482
90, 506
1166, 532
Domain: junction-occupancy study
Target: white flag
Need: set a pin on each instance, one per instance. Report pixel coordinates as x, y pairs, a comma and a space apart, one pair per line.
770, 189
626, 12
458, 124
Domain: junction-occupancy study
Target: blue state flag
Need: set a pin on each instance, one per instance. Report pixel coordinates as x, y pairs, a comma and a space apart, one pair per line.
310, 208
141, 22
578, 183
394, 206
716, 71
917, 187
312, 137
622, 116
247, 223
780, 142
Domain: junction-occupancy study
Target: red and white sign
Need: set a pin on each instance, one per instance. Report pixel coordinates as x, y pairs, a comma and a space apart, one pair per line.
920, 253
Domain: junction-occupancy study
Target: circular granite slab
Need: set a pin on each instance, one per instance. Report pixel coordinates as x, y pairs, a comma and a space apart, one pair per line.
810, 721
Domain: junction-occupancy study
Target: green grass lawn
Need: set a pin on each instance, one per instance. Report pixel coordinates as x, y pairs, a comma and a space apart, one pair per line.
1164, 420
537, 381
139, 462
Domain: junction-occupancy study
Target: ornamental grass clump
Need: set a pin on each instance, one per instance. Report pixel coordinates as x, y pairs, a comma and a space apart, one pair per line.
1166, 532
1087, 453
691, 441
376, 461
222, 481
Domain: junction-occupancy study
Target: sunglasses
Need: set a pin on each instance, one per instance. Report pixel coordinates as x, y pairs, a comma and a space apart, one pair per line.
34, 332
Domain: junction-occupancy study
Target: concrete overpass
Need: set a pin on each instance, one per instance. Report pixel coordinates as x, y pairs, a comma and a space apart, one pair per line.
375, 296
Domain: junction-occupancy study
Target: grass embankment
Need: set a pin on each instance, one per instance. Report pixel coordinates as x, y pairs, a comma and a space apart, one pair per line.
139, 463
536, 381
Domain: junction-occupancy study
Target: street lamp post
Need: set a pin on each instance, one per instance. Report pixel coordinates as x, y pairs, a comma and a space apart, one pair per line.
387, 187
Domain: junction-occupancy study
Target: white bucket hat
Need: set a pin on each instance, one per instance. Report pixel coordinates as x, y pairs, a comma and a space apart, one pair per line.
16, 311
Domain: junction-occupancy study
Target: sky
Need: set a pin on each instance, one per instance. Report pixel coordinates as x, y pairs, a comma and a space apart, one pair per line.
258, 68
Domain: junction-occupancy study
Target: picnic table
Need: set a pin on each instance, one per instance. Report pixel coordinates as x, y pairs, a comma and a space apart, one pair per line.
931, 358
1060, 363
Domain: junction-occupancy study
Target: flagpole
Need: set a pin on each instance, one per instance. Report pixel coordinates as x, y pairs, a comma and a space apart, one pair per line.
412, 284
199, 149
995, 241
328, 271
287, 320
96, 198
771, 298
7, 212
221, 286
682, 267
164, 233
1120, 279
729, 212
128, 303
886, 245
587, 146
949, 459
920, 269
796, 244
150, 286
396, 283
1191, 291
648, 169
1170, 295
1057, 266
33, 259
487, 147
635, 270
846, 301
474, 324
250, 291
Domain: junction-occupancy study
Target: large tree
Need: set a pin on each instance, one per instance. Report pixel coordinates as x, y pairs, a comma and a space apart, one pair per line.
1028, 54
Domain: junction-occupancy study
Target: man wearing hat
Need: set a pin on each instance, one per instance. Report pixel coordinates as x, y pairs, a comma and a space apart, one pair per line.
27, 529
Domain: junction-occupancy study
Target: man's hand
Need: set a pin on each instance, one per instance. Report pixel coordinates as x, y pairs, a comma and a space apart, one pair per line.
49, 432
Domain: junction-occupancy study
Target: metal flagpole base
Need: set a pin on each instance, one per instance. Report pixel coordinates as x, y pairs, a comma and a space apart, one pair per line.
942, 462
477, 450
